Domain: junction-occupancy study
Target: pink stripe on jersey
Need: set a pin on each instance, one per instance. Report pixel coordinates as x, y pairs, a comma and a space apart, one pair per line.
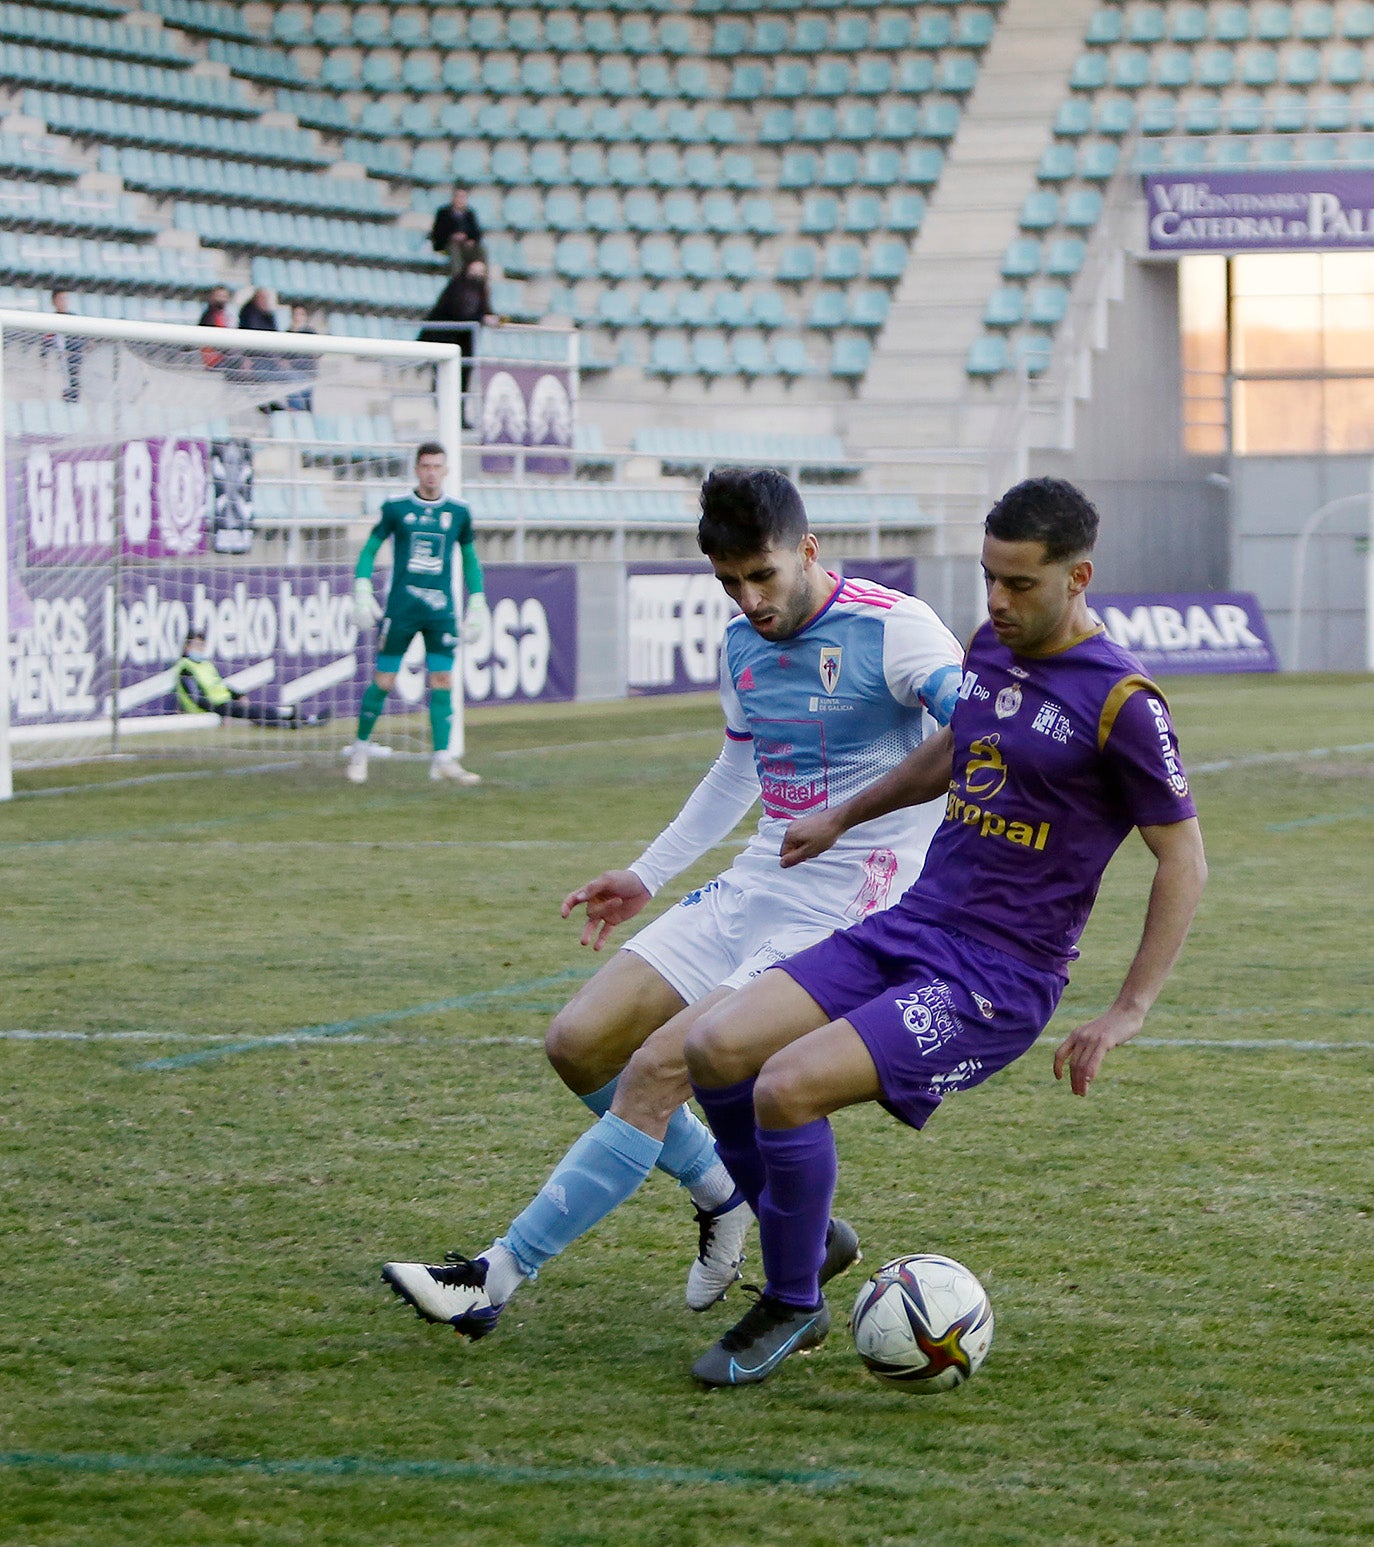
850, 593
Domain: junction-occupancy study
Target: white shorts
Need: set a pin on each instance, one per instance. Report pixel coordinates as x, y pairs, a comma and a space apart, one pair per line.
756, 914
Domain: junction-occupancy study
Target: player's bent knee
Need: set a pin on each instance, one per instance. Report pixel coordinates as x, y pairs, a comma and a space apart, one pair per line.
716, 1053
654, 1081
782, 1098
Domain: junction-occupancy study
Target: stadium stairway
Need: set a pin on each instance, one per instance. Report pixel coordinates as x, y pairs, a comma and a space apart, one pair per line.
916, 392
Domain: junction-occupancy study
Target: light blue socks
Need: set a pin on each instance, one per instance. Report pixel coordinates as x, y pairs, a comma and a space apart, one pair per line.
688, 1152
603, 1168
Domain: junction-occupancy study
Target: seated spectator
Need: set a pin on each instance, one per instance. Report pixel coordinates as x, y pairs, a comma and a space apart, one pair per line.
306, 366
215, 315
456, 231
201, 690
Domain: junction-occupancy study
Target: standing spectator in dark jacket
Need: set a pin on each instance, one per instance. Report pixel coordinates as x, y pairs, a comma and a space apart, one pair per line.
302, 366
259, 314
70, 347
466, 299
456, 231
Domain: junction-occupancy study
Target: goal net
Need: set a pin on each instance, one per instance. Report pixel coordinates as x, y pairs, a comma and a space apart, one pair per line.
162, 479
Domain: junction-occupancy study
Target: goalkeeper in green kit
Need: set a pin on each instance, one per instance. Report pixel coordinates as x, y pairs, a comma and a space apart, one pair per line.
424, 529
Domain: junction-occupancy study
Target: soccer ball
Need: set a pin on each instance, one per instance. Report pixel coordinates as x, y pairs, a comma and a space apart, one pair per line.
922, 1322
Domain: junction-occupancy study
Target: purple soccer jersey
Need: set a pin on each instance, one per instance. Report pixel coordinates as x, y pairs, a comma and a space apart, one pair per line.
1056, 759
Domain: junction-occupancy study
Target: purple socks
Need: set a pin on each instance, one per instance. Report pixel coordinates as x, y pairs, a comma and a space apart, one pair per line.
798, 1166
794, 1210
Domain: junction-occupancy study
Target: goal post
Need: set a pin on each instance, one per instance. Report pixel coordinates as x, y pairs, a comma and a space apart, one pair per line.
157, 477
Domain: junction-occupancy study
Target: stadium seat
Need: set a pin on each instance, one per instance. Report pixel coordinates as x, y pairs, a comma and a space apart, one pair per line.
668, 355
829, 310
850, 358
843, 262
1074, 118
820, 214
750, 357
791, 358
1232, 24
1049, 305
987, 356
1065, 257
1274, 23
1188, 24
1022, 258
797, 265
768, 310
1105, 27
1005, 309
729, 308
1039, 211
887, 262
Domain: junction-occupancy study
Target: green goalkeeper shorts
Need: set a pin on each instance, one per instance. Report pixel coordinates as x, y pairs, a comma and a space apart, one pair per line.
397, 629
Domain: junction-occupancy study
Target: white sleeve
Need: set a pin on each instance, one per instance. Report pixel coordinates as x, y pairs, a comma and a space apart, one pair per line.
922, 660
709, 814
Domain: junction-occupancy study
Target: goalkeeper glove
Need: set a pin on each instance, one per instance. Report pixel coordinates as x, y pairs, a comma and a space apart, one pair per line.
366, 609
476, 618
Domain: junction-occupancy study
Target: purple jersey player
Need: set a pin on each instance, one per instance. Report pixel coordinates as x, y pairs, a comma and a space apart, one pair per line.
1059, 746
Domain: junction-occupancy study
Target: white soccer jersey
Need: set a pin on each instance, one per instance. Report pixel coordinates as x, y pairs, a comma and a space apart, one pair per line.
837, 705
824, 714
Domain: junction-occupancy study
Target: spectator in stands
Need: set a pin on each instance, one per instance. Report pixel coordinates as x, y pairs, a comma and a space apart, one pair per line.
304, 367
215, 315
463, 305
457, 231
68, 346
258, 314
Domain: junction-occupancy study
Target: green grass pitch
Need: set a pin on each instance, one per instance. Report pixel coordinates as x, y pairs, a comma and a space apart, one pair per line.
198, 1191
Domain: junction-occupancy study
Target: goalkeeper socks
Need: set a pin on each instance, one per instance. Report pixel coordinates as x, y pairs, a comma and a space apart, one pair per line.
441, 717
603, 1168
730, 1111
373, 699
795, 1208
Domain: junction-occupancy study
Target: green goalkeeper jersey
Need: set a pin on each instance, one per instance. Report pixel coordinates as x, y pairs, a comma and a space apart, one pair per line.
424, 535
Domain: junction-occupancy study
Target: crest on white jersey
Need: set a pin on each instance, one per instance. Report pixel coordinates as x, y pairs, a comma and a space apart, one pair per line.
830, 666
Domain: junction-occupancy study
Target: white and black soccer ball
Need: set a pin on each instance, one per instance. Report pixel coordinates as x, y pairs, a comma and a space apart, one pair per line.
923, 1322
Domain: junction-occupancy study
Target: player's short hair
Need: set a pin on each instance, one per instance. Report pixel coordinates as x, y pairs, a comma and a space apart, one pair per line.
1049, 511
429, 448
194, 633
745, 510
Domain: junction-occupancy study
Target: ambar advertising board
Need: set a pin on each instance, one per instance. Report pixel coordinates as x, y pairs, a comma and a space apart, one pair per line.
1172, 632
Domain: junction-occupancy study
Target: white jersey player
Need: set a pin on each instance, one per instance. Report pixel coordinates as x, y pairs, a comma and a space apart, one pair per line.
826, 686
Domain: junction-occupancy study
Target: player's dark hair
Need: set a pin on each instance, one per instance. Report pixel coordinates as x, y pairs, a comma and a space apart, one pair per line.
194, 633
429, 448
1049, 511
747, 509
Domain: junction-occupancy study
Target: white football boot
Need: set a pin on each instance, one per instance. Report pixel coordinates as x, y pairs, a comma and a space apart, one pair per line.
446, 766
356, 772
719, 1254
454, 1292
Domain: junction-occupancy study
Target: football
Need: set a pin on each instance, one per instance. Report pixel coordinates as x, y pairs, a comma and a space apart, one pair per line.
923, 1322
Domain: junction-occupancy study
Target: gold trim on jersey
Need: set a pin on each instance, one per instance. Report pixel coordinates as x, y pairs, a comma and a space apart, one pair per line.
1115, 702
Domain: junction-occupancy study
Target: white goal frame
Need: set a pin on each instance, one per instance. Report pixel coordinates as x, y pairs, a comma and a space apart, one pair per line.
446, 358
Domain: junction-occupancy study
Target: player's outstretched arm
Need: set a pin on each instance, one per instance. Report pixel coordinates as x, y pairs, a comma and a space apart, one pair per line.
921, 776
614, 897
1180, 875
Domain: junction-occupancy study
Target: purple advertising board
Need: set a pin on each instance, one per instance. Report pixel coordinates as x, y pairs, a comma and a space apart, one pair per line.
525, 405
1172, 632
68, 501
528, 653
285, 634
676, 614
1304, 210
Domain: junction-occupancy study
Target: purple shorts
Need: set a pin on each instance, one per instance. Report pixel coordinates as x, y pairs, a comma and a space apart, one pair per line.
937, 1011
